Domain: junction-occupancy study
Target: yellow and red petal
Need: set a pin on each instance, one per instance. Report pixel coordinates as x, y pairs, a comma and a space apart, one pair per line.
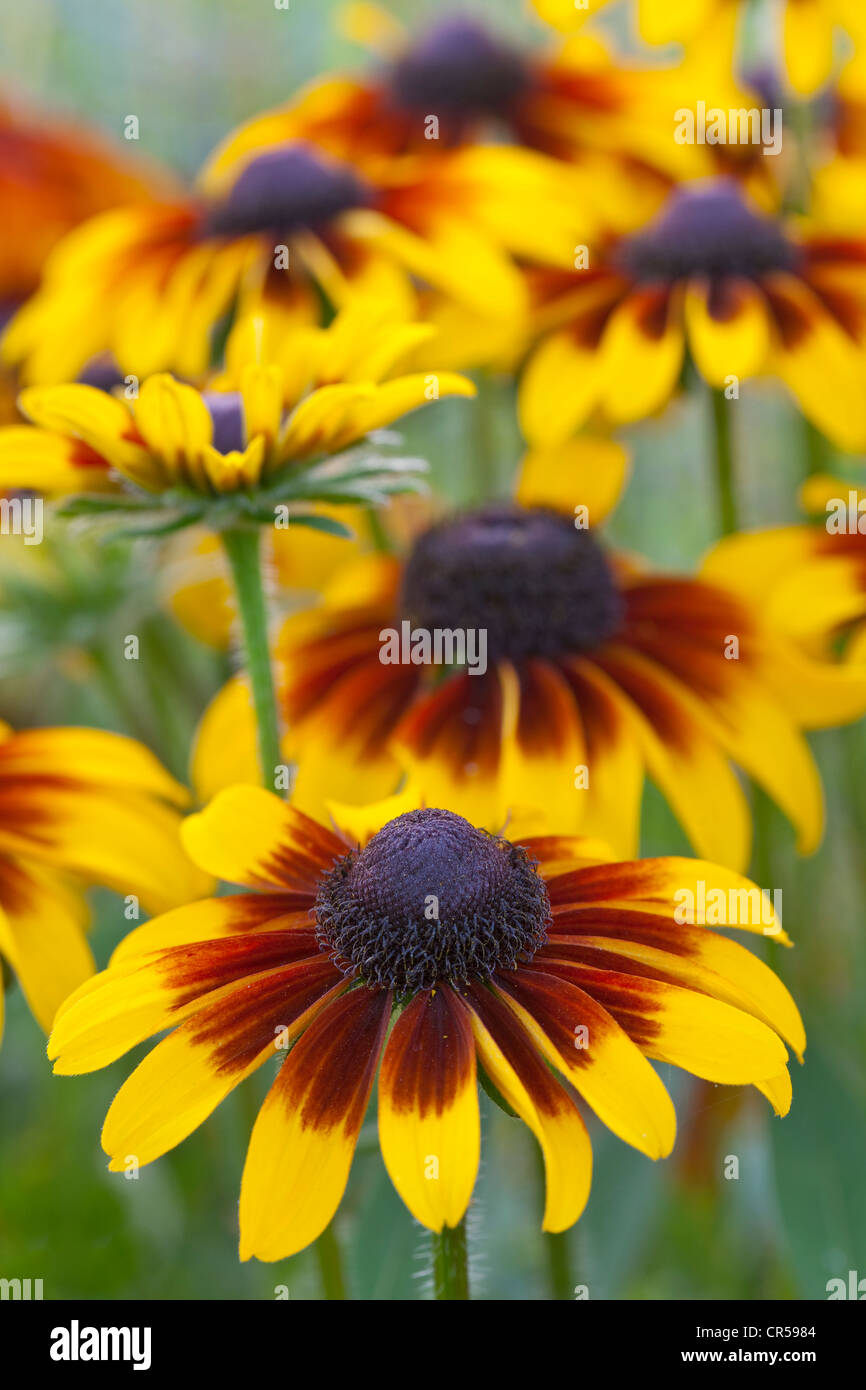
643, 944
642, 354
43, 461
691, 888
528, 1085
251, 837
541, 759
451, 743
183, 1079
304, 1138
818, 360
614, 759
214, 918
684, 1027
90, 757
129, 842
683, 756
429, 1123
728, 329
143, 995
583, 1041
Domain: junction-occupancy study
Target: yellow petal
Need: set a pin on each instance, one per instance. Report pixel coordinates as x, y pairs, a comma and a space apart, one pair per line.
728, 330
603, 1063
304, 1138
641, 354
560, 385
529, 1087
429, 1124
588, 472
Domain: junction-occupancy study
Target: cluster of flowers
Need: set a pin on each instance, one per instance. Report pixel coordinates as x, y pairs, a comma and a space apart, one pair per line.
443, 897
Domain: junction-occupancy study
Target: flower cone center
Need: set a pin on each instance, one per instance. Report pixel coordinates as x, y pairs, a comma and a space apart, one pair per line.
535, 583
430, 899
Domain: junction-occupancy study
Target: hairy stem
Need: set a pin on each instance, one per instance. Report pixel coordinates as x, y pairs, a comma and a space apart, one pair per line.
450, 1263
242, 548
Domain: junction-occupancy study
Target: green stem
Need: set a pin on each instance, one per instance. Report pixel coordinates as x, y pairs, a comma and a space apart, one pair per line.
330, 1266
817, 449
378, 533
556, 1246
484, 442
450, 1263
724, 456
243, 553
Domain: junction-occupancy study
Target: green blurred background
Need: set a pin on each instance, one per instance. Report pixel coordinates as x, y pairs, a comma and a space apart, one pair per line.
796, 1217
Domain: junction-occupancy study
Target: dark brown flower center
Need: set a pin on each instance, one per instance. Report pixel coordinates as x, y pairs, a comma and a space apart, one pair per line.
286, 188
432, 899
707, 229
459, 69
530, 579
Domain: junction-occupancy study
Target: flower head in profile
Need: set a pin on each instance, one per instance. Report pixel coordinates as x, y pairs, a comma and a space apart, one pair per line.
746, 294
266, 432
80, 807
437, 954
597, 674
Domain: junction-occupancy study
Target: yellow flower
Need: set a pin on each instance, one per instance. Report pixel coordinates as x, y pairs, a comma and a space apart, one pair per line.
545, 967
275, 208
808, 31
577, 101
78, 807
326, 390
596, 674
748, 294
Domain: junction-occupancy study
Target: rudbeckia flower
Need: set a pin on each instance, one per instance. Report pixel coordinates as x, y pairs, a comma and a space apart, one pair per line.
579, 102
151, 284
79, 807
196, 445
747, 295
433, 952
809, 28
595, 673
